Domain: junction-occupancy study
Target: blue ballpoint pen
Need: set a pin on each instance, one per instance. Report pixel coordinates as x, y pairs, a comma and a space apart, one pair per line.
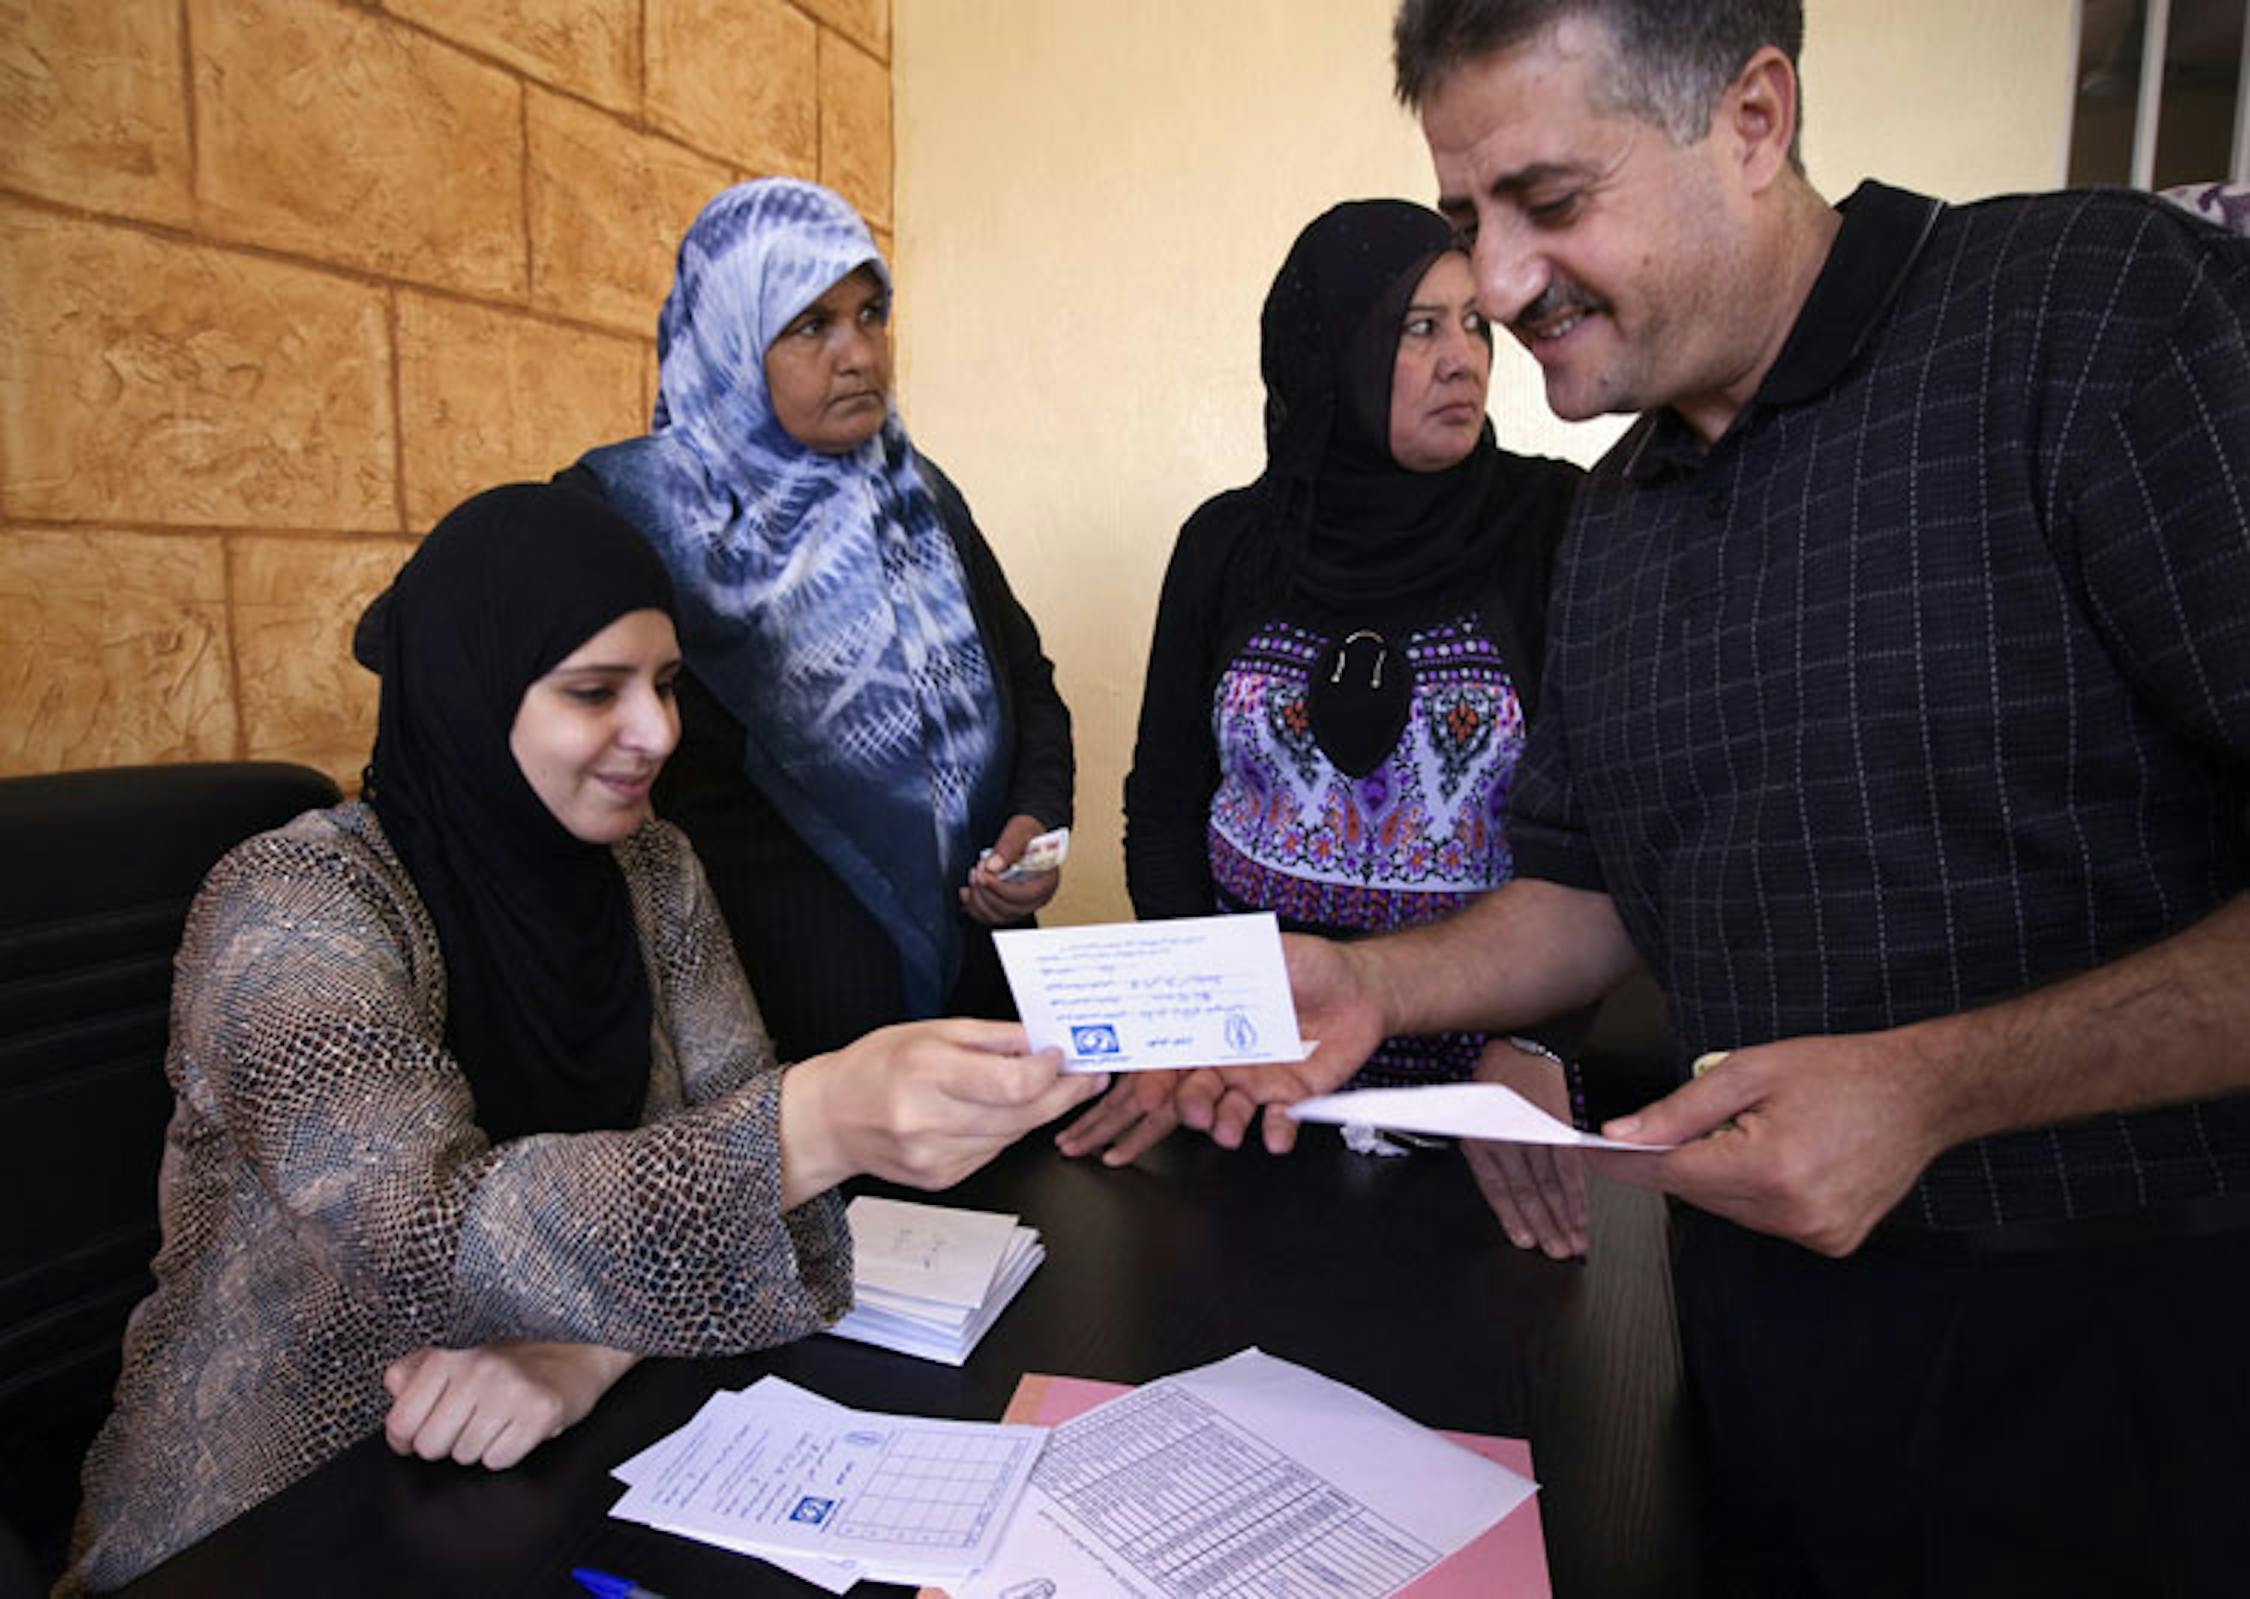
604, 1586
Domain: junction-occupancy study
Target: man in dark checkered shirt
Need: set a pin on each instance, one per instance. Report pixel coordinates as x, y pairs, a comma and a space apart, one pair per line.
1898, 718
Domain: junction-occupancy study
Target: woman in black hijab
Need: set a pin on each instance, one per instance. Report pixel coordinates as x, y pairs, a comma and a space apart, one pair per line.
474, 1105
1347, 650
547, 1007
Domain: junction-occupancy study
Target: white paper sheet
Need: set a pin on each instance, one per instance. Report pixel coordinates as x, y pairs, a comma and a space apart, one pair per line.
1458, 1110
834, 1576
1154, 996
902, 1498
1254, 1471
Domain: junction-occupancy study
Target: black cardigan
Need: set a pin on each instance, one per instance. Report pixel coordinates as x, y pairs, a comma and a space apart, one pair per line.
823, 969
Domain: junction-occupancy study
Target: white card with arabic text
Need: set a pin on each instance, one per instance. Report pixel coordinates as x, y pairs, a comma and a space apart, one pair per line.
1155, 996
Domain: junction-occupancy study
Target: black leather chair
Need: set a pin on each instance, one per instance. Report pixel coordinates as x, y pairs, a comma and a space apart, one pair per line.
96, 873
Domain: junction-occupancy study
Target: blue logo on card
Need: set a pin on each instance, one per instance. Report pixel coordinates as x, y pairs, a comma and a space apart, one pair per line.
1242, 1035
812, 1510
1100, 1039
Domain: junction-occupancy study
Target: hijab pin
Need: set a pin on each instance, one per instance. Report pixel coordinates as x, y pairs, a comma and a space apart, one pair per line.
1382, 654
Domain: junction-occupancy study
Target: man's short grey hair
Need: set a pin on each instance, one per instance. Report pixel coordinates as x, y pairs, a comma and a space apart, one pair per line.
1672, 59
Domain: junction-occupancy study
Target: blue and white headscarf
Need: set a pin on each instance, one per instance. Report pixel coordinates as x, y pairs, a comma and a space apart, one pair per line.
820, 597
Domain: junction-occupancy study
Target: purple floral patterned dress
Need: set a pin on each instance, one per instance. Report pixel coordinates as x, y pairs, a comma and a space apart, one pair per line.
1415, 839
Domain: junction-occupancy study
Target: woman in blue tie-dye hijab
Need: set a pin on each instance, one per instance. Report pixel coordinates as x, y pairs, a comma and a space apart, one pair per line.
871, 730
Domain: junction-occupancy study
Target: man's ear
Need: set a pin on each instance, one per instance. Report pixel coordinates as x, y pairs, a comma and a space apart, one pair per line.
1757, 117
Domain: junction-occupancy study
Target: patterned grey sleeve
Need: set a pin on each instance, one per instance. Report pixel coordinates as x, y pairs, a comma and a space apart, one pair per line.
315, 1037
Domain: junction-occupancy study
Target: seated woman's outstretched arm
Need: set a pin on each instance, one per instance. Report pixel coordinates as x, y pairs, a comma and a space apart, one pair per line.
922, 1103
676, 1237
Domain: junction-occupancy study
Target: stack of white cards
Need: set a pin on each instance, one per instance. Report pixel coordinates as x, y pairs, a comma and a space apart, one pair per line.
830, 1494
928, 1280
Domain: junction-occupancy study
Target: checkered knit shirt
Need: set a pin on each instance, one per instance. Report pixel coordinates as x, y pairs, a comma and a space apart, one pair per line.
1929, 682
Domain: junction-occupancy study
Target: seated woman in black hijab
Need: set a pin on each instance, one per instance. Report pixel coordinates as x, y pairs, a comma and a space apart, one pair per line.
1347, 650
474, 1105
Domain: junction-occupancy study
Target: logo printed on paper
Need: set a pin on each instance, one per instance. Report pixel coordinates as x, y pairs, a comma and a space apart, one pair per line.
1099, 1039
811, 1510
1242, 1036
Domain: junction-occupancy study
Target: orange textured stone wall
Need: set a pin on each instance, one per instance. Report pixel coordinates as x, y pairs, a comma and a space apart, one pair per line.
282, 280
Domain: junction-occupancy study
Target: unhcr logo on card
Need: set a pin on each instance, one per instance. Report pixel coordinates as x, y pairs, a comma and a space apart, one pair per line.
1100, 1038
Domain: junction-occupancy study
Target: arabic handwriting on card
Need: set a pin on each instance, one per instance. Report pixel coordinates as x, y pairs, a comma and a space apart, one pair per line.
1199, 991
928, 1251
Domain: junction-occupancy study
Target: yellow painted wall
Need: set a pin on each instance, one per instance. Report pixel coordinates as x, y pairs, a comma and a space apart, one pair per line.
1093, 197
1960, 98
281, 280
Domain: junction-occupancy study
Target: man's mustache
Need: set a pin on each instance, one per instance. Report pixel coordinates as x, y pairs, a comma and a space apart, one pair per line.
1558, 299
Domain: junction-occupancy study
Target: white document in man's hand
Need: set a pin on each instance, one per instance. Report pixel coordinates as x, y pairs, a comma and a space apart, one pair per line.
1153, 996
1484, 1111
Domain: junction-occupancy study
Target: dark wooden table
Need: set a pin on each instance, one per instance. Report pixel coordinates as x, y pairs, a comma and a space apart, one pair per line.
1389, 1275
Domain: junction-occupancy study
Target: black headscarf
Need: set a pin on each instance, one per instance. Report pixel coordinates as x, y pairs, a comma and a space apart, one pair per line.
1355, 527
547, 1001
1362, 540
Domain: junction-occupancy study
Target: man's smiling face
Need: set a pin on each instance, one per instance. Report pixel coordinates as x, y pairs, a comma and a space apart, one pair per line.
1617, 257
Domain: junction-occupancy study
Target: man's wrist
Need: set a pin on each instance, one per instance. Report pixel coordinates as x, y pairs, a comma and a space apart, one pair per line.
1936, 1067
1372, 973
